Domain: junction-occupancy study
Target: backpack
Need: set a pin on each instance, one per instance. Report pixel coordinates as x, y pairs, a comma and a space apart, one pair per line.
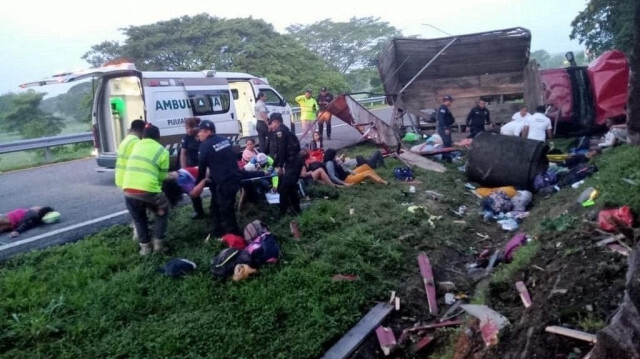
253, 230
223, 265
403, 174
264, 249
545, 179
234, 241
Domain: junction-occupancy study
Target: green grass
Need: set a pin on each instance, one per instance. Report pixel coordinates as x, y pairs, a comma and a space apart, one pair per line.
98, 298
27, 159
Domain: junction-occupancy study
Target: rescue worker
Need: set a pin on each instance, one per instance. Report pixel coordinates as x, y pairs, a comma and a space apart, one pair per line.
125, 148
147, 167
288, 163
444, 120
308, 108
323, 100
216, 154
477, 118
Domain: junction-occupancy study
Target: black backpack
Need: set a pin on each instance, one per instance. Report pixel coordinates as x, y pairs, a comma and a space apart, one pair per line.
223, 265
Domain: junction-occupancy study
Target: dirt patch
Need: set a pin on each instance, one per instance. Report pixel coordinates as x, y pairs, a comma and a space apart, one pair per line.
572, 284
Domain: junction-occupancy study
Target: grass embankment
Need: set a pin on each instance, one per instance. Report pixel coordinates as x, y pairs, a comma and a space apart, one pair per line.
97, 298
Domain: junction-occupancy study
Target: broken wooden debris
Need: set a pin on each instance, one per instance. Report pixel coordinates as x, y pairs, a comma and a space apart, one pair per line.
524, 294
619, 249
449, 323
350, 341
397, 302
393, 297
483, 236
490, 322
492, 261
460, 222
572, 333
451, 312
422, 343
345, 277
609, 240
419, 161
446, 286
629, 181
386, 339
555, 289
429, 286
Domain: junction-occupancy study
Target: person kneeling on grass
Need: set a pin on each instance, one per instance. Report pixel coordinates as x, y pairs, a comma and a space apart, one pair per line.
22, 219
340, 175
315, 171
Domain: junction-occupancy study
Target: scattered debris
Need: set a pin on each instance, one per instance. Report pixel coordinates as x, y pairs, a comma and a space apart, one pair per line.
609, 219
350, 341
345, 277
397, 303
459, 222
524, 294
386, 339
490, 322
434, 195
538, 268
422, 343
619, 249
446, 286
451, 312
572, 333
427, 277
393, 297
295, 230
492, 261
469, 186
630, 181
449, 298
483, 236
557, 290
609, 240
450, 323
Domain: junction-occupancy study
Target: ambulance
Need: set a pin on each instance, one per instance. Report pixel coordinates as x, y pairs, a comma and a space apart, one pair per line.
165, 99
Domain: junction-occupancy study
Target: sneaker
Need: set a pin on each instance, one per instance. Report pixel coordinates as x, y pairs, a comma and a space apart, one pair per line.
196, 216
158, 245
145, 249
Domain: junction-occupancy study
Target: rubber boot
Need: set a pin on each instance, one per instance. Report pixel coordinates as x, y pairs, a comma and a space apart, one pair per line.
158, 245
145, 249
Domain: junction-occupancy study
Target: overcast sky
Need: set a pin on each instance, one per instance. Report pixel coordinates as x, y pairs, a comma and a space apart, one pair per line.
39, 39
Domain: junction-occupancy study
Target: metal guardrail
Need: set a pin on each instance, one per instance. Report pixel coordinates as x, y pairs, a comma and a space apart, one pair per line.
47, 142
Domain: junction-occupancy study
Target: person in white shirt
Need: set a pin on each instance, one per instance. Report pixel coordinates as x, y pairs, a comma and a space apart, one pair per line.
538, 126
514, 127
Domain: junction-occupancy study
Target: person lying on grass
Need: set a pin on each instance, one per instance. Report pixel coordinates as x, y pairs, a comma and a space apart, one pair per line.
316, 172
342, 176
22, 219
183, 181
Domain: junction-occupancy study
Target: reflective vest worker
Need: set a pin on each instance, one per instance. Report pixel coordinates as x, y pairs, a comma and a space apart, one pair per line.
125, 148
308, 108
147, 167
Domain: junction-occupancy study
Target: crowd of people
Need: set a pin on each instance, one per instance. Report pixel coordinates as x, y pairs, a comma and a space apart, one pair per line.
276, 164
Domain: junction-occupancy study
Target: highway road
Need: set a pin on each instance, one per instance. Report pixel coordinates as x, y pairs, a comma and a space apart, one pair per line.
88, 200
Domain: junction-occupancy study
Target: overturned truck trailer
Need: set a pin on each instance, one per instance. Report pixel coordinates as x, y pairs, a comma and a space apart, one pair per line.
417, 73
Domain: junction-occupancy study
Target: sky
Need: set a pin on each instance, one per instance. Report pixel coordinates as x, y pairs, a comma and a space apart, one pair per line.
39, 39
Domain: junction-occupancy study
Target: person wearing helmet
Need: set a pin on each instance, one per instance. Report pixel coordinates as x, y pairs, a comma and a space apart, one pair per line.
288, 163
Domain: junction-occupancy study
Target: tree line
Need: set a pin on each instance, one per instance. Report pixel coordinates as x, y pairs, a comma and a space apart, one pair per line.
339, 55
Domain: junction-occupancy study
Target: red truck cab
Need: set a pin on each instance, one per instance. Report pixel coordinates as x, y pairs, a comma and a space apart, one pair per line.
584, 97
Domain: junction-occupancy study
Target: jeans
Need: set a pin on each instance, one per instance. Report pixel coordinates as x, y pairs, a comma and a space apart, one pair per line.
137, 204
321, 127
263, 135
222, 209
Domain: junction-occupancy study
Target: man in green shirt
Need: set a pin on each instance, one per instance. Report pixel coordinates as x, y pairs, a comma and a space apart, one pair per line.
308, 108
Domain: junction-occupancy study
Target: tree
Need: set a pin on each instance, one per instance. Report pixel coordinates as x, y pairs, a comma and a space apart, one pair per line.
244, 45
605, 25
346, 45
26, 117
74, 104
554, 61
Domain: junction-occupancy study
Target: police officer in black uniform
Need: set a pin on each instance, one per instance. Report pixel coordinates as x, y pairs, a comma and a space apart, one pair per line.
323, 100
477, 118
288, 162
444, 122
216, 154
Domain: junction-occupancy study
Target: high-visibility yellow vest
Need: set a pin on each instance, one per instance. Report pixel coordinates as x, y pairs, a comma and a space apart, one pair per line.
147, 166
124, 151
308, 108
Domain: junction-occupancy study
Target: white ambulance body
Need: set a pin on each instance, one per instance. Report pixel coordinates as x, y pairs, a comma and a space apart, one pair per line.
165, 99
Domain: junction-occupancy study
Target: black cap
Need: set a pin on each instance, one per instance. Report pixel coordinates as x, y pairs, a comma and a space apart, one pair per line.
447, 98
207, 125
276, 116
308, 90
323, 88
